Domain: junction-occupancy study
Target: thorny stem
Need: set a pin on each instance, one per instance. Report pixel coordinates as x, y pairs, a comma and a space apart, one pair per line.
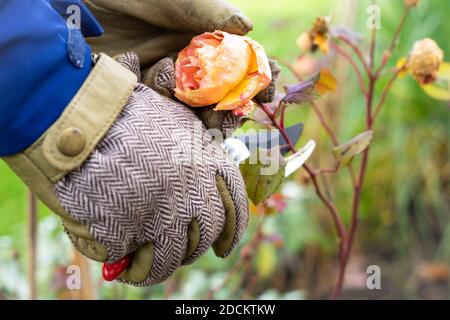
347, 237
348, 241
313, 175
373, 78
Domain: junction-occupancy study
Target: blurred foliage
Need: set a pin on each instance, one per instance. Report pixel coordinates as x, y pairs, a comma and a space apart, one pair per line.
405, 225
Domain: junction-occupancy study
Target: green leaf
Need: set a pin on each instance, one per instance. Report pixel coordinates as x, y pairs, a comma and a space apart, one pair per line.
263, 174
345, 153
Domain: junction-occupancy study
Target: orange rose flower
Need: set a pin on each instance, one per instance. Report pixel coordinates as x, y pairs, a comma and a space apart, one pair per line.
223, 69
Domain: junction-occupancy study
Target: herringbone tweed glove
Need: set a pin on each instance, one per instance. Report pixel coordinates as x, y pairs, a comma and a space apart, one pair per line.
156, 175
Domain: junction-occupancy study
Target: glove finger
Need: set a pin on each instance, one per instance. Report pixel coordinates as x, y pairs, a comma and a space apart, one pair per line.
142, 262
161, 77
130, 60
236, 198
193, 237
268, 94
84, 242
210, 223
224, 121
226, 238
196, 16
140, 266
167, 256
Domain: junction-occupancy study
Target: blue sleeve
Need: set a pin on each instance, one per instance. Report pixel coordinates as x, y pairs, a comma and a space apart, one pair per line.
44, 60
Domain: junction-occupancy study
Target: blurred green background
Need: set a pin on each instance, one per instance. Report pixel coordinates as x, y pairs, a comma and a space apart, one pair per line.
405, 224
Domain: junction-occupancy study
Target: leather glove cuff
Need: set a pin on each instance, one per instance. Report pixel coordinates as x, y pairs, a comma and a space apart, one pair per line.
71, 139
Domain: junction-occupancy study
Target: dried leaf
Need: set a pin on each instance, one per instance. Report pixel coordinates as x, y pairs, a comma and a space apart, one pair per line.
345, 153
310, 89
326, 83
322, 42
260, 182
300, 93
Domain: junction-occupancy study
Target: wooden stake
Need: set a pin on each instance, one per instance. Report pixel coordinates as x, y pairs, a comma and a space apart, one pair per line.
32, 243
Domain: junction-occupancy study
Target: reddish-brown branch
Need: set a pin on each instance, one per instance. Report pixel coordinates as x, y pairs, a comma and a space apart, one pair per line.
357, 190
358, 52
340, 229
384, 95
324, 123
352, 62
373, 46
332, 170
394, 42
282, 108
347, 237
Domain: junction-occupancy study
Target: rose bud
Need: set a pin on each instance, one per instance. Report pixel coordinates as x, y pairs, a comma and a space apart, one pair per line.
425, 60
223, 69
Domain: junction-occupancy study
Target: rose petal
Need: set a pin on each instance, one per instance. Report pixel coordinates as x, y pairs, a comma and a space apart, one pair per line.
223, 63
258, 78
244, 109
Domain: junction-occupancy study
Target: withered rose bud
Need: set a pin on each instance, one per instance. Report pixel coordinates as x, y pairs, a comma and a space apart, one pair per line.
412, 3
320, 27
425, 60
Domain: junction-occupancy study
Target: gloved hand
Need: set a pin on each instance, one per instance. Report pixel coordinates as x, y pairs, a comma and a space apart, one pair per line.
158, 187
155, 29
79, 135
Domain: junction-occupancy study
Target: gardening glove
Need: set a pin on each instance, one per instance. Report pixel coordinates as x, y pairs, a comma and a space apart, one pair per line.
158, 188
155, 29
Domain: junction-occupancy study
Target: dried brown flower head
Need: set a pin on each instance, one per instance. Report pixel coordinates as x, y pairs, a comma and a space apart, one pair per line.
425, 60
316, 38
